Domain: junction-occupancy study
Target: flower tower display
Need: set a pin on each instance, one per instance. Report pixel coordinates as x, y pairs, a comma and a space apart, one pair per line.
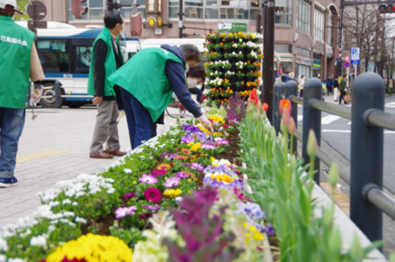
234, 62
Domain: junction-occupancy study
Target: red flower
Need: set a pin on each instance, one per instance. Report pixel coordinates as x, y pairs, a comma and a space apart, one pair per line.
265, 107
152, 194
254, 96
158, 173
285, 103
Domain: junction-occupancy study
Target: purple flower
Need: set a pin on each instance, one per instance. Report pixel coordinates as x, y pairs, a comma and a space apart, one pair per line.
172, 182
124, 211
148, 179
197, 166
165, 154
185, 164
207, 146
270, 229
157, 173
172, 156
187, 139
151, 207
129, 195
191, 129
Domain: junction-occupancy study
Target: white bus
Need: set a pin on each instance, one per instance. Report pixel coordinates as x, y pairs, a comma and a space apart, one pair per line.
64, 52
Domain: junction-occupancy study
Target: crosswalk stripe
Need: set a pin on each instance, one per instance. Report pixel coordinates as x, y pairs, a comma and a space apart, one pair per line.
391, 105
300, 118
329, 119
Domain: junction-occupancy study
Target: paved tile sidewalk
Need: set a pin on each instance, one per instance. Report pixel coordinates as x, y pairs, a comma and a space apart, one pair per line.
55, 130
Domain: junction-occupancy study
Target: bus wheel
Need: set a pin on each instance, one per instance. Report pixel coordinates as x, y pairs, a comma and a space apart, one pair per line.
49, 102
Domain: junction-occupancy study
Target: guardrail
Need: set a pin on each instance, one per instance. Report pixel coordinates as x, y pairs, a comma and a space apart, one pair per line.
368, 120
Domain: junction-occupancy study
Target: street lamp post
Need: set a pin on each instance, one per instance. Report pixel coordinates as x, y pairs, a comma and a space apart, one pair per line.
392, 63
268, 43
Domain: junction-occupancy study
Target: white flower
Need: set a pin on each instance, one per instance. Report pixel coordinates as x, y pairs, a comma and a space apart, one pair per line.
234, 53
80, 220
3, 258
38, 241
25, 234
51, 229
258, 92
66, 201
16, 260
68, 214
74, 204
3, 245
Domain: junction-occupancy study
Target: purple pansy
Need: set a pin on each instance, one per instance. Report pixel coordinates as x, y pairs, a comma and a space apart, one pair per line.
124, 211
270, 229
222, 142
208, 146
151, 207
148, 179
172, 182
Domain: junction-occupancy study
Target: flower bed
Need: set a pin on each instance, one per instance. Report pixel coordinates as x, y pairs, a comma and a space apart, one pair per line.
180, 198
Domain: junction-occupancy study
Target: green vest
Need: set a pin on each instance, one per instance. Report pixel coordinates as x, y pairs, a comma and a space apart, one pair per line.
15, 46
144, 77
110, 64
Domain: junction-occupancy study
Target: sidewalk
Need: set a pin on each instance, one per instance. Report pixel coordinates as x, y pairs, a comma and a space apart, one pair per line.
53, 148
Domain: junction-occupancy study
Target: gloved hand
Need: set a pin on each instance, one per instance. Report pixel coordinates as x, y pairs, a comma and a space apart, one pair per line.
205, 122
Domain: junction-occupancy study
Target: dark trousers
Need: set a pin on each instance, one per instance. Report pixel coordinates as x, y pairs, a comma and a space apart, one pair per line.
342, 94
329, 89
12, 122
140, 124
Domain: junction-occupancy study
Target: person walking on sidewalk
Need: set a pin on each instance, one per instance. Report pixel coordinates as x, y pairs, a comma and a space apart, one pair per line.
106, 59
18, 62
301, 85
342, 88
329, 85
147, 82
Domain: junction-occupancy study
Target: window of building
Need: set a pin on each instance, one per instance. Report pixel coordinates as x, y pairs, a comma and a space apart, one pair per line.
302, 52
97, 9
303, 18
216, 9
283, 12
329, 29
319, 23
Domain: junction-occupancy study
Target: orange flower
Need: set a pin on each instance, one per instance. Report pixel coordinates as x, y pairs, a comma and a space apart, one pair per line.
254, 96
285, 103
265, 107
221, 43
248, 84
230, 34
261, 56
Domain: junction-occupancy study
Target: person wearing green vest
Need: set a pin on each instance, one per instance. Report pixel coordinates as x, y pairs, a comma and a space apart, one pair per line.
146, 84
18, 62
106, 59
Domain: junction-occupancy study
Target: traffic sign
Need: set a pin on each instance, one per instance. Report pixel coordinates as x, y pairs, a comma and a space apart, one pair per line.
355, 55
36, 10
347, 58
347, 64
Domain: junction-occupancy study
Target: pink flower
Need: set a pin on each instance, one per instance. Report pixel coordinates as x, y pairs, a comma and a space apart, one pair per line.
152, 194
129, 195
222, 142
158, 173
183, 175
225, 126
148, 179
197, 166
207, 146
172, 182
181, 157
124, 211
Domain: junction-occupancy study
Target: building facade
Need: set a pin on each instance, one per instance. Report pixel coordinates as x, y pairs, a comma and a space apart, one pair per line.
305, 32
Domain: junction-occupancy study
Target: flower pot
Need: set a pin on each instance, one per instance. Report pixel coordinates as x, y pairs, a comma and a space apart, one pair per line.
240, 78
218, 40
228, 40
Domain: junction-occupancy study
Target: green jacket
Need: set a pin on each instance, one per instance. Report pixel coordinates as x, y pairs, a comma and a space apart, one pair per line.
15, 46
342, 85
144, 77
110, 64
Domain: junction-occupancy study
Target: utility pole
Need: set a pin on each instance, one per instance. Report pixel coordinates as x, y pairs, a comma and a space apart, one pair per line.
180, 19
268, 61
392, 62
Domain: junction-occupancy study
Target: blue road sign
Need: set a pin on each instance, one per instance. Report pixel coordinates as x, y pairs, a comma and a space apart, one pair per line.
347, 64
355, 55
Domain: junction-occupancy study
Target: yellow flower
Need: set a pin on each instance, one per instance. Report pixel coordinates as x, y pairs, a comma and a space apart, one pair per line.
212, 159
253, 233
203, 129
217, 134
217, 119
196, 146
172, 193
93, 248
222, 178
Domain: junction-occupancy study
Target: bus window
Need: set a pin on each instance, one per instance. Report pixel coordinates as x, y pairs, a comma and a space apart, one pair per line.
53, 55
83, 57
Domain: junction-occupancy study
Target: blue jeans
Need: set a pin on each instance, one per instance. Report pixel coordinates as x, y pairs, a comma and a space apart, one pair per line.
12, 122
140, 124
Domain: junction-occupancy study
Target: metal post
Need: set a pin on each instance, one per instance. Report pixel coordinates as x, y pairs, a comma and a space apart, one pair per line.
392, 62
180, 19
366, 153
58, 94
291, 88
268, 43
339, 67
311, 120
